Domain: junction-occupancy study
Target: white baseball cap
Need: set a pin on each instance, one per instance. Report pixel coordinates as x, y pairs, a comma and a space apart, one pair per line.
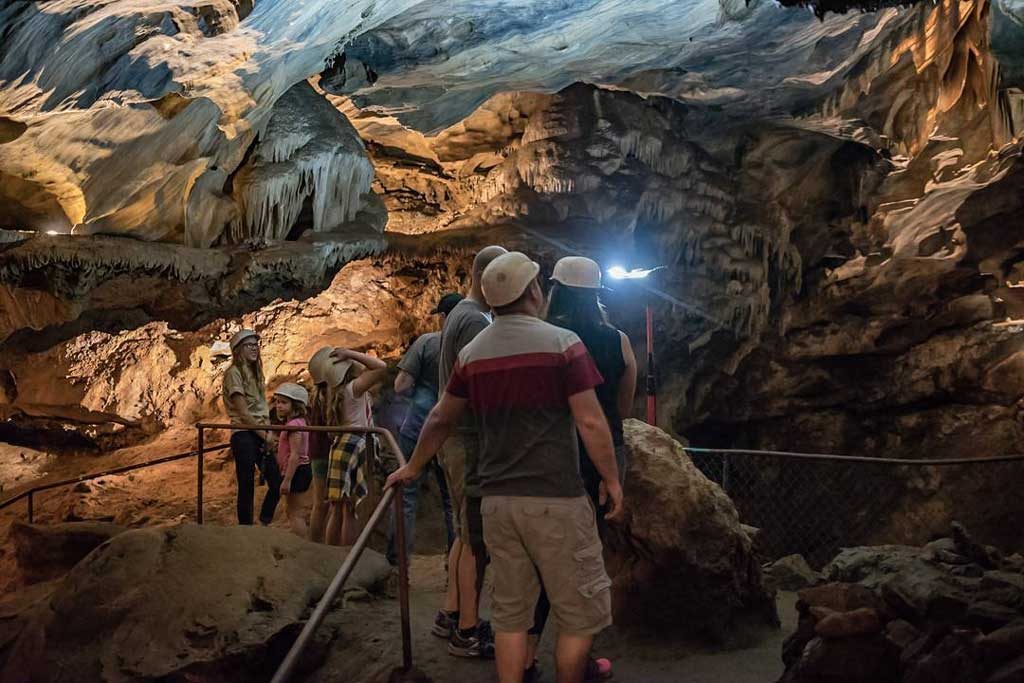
577, 271
294, 391
241, 336
507, 277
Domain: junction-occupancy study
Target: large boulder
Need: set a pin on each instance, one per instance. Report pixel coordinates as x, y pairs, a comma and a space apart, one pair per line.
183, 603
680, 561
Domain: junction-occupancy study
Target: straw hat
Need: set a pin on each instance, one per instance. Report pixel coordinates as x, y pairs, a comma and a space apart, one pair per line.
325, 368
295, 392
507, 277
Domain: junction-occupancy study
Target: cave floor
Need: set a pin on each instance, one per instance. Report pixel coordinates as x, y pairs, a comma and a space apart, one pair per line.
635, 661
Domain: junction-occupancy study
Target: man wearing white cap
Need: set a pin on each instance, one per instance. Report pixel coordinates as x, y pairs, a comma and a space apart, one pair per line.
530, 386
245, 399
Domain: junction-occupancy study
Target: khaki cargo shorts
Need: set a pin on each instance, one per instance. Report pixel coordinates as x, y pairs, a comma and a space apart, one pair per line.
452, 458
553, 540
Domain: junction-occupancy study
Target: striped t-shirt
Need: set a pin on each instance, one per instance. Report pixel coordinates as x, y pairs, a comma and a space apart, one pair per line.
518, 375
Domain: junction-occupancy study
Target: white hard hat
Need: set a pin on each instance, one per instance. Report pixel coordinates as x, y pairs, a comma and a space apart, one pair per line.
296, 392
577, 271
241, 336
507, 277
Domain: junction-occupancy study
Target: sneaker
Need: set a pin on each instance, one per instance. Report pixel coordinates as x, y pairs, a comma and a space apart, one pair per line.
597, 670
445, 624
532, 675
477, 644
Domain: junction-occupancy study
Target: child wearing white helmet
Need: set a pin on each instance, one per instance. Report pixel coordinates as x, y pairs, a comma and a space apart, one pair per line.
291, 401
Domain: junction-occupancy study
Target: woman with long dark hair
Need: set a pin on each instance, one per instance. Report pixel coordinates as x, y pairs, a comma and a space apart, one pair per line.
245, 399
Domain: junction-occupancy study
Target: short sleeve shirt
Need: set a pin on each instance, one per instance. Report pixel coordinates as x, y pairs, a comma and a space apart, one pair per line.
284, 446
255, 397
421, 362
463, 324
518, 376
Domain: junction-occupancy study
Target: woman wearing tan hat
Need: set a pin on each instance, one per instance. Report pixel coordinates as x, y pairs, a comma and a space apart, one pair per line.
245, 399
291, 402
324, 411
346, 479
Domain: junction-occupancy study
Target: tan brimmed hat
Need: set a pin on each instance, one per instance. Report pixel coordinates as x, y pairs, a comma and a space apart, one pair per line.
295, 392
319, 364
577, 271
241, 336
507, 277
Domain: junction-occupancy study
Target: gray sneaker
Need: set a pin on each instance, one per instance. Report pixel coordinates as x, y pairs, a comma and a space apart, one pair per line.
478, 644
445, 624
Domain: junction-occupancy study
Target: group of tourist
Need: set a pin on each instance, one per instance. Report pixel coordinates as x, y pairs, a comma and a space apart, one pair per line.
521, 399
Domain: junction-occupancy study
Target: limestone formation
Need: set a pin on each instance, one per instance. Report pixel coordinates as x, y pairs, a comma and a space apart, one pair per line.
48, 552
680, 561
216, 603
952, 610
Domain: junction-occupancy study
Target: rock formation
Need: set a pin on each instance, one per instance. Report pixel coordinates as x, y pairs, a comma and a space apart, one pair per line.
219, 603
952, 610
681, 563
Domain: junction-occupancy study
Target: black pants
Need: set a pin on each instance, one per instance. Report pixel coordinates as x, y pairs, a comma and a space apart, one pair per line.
250, 453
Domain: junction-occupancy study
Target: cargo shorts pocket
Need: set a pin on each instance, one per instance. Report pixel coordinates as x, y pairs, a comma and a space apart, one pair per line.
591, 577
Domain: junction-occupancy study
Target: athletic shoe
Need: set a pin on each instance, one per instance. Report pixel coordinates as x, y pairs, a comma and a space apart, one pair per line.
597, 670
445, 624
532, 675
477, 644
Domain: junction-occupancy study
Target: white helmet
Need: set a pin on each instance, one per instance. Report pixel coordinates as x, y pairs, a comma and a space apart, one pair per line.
577, 271
241, 336
296, 392
507, 277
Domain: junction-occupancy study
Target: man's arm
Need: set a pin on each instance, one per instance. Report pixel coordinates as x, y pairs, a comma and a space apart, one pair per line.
439, 425
597, 439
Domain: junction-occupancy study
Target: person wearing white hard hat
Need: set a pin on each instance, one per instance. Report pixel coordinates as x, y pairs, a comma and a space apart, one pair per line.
530, 386
291, 401
574, 303
323, 411
245, 399
353, 375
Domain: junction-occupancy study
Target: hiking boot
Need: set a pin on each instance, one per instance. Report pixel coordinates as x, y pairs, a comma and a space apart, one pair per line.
477, 643
445, 624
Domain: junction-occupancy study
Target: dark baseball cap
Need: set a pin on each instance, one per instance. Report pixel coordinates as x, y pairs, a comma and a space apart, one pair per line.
447, 303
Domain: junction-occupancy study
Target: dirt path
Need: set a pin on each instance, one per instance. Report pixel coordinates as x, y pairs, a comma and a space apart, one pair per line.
634, 661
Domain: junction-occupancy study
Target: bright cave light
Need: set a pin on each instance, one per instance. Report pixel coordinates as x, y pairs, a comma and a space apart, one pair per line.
52, 232
620, 273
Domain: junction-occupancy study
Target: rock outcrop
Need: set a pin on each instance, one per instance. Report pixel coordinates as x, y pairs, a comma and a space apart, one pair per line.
44, 553
185, 602
952, 610
680, 562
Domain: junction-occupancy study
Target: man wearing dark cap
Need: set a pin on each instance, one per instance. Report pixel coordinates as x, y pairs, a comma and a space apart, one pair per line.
417, 379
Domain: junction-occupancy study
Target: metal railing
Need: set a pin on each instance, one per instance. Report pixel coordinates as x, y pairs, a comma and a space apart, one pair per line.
31, 492
391, 496
814, 504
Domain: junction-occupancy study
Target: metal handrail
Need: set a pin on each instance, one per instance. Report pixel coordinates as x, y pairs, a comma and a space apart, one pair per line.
935, 462
391, 496
30, 493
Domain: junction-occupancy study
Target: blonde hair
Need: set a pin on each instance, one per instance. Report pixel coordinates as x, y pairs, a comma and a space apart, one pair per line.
246, 369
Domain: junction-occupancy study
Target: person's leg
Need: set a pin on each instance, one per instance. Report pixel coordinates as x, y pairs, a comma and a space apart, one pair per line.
571, 654
446, 501
452, 462
349, 523
318, 515
298, 513
243, 449
273, 494
332, 533
510, 653
468, 616
540, 620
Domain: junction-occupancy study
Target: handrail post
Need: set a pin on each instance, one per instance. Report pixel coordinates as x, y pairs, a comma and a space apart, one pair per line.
31, 512
403, 577
199, 475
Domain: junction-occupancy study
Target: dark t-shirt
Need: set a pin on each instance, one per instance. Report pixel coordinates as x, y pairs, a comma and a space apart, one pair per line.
421, 361
464, 323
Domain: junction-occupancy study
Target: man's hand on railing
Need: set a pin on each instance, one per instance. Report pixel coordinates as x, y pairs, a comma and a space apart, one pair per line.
402, 476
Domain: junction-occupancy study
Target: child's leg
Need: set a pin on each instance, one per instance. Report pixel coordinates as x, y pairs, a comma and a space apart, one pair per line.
318, 517
334, 522
350, 526
298, 512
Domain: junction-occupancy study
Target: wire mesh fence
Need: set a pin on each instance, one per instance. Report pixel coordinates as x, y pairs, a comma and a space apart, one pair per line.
816, 507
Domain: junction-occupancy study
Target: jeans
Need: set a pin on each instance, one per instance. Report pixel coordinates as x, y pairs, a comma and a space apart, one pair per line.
250, 452
410, 501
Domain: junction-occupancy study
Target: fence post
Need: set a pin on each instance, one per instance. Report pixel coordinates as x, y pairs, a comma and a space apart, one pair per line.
31, 512
199, 476
403, 576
